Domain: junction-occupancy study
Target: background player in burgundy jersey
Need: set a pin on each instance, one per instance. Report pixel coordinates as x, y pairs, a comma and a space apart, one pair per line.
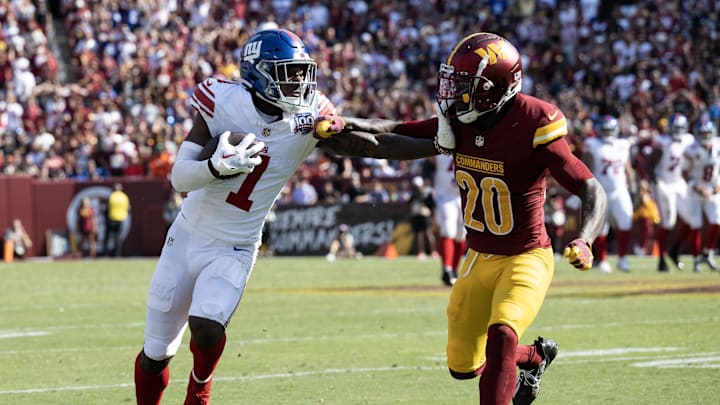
504, 144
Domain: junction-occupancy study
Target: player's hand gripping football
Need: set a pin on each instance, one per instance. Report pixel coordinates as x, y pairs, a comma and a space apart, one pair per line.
230, 160
445, 138
579, 254
327, 126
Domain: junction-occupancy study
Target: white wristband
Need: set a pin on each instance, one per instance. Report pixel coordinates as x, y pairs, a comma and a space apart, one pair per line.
188, 173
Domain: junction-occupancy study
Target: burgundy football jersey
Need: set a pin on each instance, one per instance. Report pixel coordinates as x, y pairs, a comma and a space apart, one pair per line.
501, 174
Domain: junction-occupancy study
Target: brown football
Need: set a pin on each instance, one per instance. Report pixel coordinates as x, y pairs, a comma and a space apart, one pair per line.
209, 148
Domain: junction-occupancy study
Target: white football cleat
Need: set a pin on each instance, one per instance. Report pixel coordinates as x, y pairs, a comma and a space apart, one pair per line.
623, 264
605, 267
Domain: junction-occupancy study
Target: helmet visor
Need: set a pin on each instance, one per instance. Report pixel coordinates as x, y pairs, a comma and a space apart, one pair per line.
293, 82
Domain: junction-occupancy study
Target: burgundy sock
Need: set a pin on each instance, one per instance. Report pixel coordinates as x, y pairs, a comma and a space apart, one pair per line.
711, 237
149, 387
205, 360
694, 236
600, 247
623, 240
458, 252
527, 357
497, 382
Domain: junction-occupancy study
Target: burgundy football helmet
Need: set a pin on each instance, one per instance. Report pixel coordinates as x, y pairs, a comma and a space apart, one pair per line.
481, 74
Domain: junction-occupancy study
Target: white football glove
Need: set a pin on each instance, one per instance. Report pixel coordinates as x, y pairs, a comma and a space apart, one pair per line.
445, 138
229, 160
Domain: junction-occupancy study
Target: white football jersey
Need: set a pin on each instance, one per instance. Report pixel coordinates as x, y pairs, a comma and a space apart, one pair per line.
702, 164
444, 184
669, 167
235, 209
609, 159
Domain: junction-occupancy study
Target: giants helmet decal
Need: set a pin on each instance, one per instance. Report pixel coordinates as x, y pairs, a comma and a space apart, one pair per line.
276, 67
482, 73
609, 127
705, 131
678, 125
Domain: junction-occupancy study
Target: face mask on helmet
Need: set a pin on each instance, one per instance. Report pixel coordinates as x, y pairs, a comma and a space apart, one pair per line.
678, 125
482, 73
275, 66
609, 127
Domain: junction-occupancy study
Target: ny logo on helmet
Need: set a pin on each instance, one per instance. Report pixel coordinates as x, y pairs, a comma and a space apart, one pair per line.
252, 51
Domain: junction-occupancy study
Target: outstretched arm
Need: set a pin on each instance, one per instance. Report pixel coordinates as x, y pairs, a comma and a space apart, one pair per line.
371, 125
380, 145
380, 138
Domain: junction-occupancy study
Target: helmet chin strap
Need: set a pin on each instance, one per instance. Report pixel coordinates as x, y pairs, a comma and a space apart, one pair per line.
469, 117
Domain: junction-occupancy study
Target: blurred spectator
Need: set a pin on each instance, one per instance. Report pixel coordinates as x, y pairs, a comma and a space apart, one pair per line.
329, 193
16, 242
355, 192
646, 216
118, 210
421, 204
343, 245
303, 192
378, 193
88, 227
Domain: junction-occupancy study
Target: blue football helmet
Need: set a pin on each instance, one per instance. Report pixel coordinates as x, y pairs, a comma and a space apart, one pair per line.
609, 127
678, 125
275, 65
705, 131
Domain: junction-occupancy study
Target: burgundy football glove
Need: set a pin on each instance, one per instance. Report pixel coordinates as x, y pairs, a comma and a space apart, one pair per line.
579, 254
327, 126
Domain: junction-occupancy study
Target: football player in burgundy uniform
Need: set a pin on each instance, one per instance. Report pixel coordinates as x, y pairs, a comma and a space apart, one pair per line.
504, 144
211, 248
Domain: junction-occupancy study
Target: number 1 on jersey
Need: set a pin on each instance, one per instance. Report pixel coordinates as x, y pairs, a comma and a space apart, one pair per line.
241, 198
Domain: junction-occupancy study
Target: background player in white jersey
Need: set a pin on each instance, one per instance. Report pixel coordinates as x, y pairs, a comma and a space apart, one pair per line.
669, 187
448, 217
608, 157
702, 169
211, 247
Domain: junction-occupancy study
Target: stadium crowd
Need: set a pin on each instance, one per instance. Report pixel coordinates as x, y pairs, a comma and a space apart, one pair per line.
115, 103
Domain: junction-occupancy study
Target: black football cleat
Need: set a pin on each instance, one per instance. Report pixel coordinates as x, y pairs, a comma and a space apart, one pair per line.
662, 265
448, 277
674, 255
527, 386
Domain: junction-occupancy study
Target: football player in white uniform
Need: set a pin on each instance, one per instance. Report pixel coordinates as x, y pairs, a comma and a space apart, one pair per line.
702, 170
608, 157
211, 247
448, 217
669, 187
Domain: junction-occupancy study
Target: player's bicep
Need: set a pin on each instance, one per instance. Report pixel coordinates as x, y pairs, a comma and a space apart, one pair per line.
565, 167
199, 133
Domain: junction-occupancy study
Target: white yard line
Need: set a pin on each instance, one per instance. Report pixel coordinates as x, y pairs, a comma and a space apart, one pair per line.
229, 379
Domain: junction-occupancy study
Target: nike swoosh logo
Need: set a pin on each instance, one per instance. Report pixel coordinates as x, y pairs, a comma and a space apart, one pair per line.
224, 156
237, 249
553, 115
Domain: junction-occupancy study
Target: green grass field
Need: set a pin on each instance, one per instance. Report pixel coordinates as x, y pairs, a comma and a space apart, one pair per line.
356, 332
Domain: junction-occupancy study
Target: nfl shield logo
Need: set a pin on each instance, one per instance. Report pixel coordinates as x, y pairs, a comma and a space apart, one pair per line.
479, 140
266, 132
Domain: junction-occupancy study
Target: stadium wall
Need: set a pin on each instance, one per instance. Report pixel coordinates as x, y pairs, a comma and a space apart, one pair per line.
47, 210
